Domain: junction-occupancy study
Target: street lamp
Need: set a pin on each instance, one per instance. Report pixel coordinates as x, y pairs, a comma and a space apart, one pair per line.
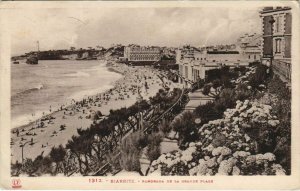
139, 100
22, 146
272, 21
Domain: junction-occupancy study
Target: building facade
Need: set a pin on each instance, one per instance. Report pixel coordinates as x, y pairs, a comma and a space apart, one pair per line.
135, 53
193, 63
277, 36
250, 45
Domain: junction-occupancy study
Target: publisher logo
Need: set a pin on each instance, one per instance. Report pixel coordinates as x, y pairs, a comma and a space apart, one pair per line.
16, 183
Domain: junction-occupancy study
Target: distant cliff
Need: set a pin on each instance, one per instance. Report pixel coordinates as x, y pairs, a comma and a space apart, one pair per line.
80, 54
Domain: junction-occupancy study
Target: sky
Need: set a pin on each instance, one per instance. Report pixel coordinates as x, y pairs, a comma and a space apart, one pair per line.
81, 28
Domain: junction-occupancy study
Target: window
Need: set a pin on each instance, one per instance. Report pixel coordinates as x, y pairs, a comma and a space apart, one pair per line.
277, 23
278, 45
254, 56
186, 72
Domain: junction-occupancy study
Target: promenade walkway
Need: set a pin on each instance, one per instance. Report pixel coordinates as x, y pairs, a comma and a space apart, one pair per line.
197, 98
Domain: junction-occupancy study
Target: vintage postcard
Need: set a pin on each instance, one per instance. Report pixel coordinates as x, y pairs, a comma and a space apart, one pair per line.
149, 95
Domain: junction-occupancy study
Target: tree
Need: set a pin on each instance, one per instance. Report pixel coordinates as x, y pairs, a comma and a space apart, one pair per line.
57, 155
186, 128
81, 146
206, 89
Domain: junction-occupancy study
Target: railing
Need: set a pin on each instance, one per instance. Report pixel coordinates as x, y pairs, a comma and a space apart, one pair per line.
179, 101
106, 167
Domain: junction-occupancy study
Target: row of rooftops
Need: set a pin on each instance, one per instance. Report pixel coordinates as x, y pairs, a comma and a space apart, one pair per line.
210, 50
274, 9
252, 41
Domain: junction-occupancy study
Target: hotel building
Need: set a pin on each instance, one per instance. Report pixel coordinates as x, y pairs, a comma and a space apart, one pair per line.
135, 53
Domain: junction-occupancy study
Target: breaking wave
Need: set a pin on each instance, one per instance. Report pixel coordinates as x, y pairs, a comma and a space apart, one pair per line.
27, 91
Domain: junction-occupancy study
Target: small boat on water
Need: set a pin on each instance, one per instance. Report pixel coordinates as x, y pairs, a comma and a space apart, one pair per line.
15, 62
34, 59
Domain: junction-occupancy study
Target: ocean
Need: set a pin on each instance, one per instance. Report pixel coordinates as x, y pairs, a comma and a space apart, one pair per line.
43, 88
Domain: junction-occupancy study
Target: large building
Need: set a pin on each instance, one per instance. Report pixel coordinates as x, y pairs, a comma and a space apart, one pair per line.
135, 53
250, 45
277, 35
193, 62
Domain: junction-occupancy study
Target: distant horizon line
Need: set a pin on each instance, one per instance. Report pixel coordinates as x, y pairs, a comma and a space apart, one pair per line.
119, 44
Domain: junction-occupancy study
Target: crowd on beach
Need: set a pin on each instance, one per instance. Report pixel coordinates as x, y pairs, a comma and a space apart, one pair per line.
136, 83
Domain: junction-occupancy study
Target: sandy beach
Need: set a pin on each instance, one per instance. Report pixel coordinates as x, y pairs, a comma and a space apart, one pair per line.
59, 126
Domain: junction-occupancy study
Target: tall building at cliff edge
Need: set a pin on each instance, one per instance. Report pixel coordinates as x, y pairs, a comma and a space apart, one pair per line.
277, 36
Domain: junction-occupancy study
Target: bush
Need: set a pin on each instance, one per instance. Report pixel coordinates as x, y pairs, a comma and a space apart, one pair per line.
225, 81
130, 159
30, 167
206, 112
206, 89
241, 70
226, 100
131, 148
243, 93
165, 127
200, 84
219, 140
153, 149
16, 168
278, 87
186, 128
44, 164
259, 77
216, 83
256, 63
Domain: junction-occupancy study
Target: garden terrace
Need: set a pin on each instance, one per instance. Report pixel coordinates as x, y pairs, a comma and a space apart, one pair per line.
244, 131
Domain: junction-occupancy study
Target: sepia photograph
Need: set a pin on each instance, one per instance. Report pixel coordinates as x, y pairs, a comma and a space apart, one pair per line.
158, 91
